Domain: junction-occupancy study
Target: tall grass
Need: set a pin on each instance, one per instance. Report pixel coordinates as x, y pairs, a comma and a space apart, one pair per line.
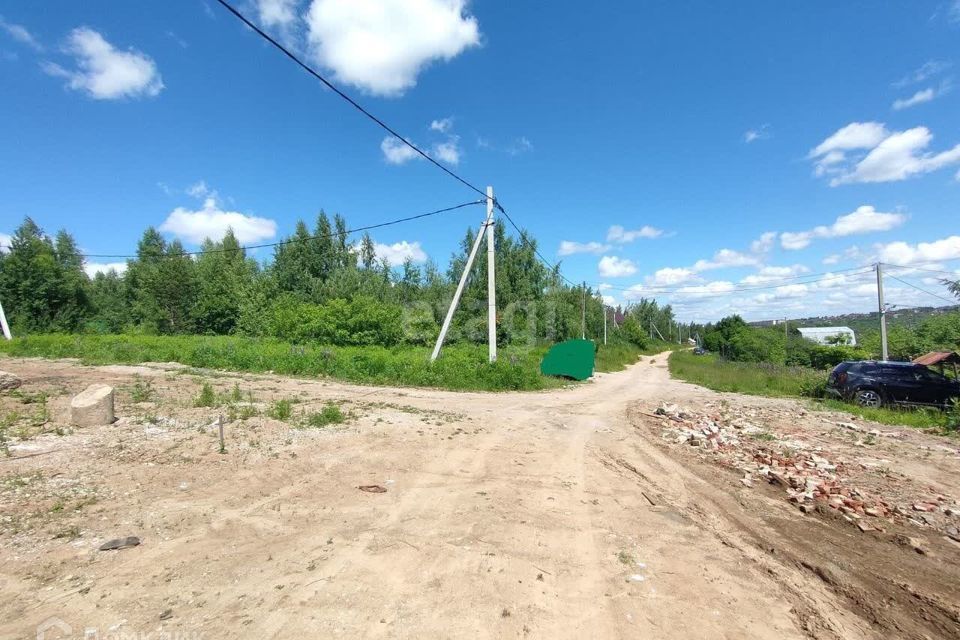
765, 379
460, 367
754, 378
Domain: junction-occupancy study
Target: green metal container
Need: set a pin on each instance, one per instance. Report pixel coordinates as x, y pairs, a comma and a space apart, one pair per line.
570, 359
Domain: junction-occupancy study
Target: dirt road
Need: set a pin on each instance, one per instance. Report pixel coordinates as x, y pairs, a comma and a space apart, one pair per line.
561, 514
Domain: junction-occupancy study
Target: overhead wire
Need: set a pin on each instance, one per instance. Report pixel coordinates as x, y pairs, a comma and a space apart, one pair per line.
772, 284
291, 240
929, 293
913, 268
356, 105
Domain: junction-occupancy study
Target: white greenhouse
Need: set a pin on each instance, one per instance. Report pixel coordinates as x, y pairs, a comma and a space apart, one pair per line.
829, 335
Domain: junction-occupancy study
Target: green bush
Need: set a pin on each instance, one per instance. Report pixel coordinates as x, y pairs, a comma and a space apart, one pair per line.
360, 321
330, 414
207, 397
281, 410
633, 332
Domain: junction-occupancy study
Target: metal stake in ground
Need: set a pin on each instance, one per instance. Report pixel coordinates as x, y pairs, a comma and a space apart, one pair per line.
223, 447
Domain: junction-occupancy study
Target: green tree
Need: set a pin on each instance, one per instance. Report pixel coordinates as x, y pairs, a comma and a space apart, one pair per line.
42, 284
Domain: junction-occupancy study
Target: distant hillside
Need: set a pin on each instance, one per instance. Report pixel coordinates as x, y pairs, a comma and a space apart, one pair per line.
866, 322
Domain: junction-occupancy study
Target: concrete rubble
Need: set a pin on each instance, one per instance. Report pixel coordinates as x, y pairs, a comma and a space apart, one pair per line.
9, 381
807, 475
93, 406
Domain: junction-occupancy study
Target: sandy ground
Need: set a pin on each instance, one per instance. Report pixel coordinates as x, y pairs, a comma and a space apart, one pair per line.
561, 514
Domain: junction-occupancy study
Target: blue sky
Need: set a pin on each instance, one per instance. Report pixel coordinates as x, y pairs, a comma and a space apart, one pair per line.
693, 152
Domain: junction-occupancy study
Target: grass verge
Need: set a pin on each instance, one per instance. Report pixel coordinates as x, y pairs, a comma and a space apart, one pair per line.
910, 417
758, 379
460, 367
765, 379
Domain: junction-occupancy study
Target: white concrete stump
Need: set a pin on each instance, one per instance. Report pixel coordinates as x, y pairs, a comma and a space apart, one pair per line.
9, 381
93, 406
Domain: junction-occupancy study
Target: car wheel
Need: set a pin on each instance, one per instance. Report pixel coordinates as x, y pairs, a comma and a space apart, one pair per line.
868, 398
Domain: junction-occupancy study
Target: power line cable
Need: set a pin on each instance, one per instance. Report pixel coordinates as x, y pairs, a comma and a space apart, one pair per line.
292, 240
903, 266
929, 293
356, 105
845, 273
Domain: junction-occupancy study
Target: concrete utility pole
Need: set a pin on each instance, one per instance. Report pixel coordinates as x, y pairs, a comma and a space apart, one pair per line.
883, 312
492, 305
4, 325
604, 324
491, 281
583, 312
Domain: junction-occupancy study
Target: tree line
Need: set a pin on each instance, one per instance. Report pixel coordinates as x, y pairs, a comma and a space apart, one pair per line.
734, 339
317, 286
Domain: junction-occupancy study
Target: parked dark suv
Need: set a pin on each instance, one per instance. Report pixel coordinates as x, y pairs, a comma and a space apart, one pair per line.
870, 383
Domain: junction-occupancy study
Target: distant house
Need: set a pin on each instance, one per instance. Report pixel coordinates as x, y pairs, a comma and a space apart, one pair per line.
829, 335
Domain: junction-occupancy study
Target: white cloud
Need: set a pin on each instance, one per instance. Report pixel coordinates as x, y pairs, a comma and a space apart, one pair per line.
20, 34
382, 45
785, 292
924, 95
5, 241
760, 133
444, 125
610, 301
212, 222
618, 234
93, 268
764, 243
277, 13
569, 248
201, 190
395, 152
904, 253
614, 267
397, 253
856, 135
519, 145
833, 258
772, 274
899, 157
669, 276
928, 70
884, 156
448, 151
865, 219
726, 258
717, 287
105, 73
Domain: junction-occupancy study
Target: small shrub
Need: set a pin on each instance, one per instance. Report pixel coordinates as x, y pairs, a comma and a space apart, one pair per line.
813, 385
330, 414
281, 409
207, 396
953, 416
236, 395
142, 390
